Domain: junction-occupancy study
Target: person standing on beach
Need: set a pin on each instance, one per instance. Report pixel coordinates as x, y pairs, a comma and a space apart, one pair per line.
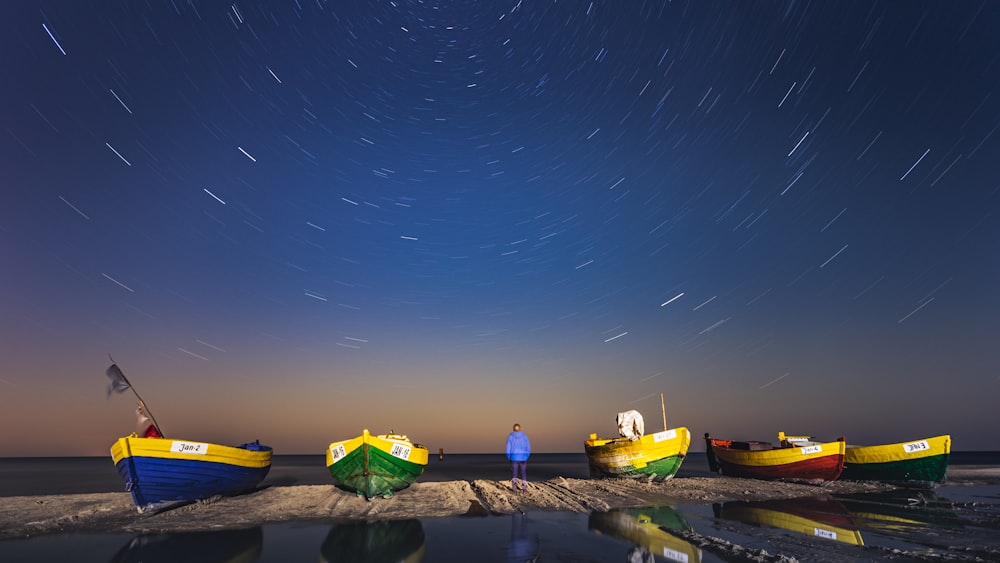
518, 451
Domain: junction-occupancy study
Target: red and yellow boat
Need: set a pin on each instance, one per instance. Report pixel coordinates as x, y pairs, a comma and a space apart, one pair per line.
811, 462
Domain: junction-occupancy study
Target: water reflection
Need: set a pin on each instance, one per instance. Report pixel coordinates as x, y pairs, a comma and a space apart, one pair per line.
645, 528
901, 510
818, 517
387, 541
523, 544
231, 546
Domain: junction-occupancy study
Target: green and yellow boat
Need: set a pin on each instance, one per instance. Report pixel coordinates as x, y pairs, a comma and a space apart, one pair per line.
376, 466
655, 456
916, 463
658, 455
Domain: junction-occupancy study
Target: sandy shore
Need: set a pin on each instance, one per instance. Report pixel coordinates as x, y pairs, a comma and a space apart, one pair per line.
27, 516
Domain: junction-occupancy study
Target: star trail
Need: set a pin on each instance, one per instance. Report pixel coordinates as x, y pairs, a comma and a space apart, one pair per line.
440, 217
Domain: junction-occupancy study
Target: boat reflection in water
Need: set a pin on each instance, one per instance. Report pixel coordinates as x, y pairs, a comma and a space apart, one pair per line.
232, 546
387, 541
906, 514
818, 517
646, 529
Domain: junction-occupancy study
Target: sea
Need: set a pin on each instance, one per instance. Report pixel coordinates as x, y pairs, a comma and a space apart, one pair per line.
954, 522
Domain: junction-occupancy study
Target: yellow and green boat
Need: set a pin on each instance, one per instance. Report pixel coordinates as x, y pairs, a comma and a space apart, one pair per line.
658, 455
376, 466
917, 463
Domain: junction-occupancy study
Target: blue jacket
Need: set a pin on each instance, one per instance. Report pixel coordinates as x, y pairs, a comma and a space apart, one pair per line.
518, 446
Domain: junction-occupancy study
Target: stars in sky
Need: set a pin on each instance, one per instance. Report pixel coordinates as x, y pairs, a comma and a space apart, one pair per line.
714, 186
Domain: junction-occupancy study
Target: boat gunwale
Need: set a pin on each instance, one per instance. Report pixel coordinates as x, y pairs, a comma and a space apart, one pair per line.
160, 448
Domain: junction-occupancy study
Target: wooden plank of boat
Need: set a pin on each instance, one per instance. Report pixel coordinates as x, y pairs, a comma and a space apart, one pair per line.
164, 472
375, 466
763, 460
658, 455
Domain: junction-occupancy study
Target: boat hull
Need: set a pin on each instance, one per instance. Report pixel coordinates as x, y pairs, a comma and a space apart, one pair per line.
376, 466
657, 455
920, 463
813, 464
163, 472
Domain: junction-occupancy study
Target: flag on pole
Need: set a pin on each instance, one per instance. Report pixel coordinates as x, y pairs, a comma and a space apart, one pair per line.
118, 382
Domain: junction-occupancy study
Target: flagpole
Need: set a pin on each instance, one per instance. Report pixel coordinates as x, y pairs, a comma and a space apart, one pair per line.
136, 393
663, 409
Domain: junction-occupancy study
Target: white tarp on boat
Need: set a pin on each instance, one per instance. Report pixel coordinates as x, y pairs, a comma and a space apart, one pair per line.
630, 425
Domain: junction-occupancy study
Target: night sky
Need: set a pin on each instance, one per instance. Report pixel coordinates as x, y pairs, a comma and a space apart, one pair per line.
294, 219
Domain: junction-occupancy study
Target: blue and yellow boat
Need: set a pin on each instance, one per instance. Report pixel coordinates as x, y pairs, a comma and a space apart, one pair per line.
164, 472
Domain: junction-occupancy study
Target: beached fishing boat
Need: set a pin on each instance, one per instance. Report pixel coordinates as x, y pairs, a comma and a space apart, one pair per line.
636, 454
376, 466
814, 462
917, 463
164, 472
658, 455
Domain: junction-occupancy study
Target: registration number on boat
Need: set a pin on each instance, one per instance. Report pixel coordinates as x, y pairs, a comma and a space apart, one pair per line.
914, 447
400, 451
811, 450
665, 435
827, 534
674, 555
179, 447
337, 452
